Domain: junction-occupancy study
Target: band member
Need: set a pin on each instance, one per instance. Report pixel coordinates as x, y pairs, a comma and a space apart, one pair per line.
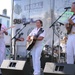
2, 43
37, 49
71, 37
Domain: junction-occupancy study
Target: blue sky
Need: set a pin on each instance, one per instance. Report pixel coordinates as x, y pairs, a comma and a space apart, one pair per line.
5, 4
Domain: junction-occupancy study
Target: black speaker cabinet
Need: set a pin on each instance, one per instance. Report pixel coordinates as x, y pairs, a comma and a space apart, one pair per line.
59, 69
15, 67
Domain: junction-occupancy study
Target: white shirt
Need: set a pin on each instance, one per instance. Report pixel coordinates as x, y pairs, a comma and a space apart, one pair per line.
34, 32
1, 32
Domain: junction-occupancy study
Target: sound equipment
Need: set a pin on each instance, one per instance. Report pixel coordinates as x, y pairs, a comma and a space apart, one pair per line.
46, 58
59, 69
15, 67
31, 43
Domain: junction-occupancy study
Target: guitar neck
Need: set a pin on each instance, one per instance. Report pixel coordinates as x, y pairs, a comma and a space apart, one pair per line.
8, 28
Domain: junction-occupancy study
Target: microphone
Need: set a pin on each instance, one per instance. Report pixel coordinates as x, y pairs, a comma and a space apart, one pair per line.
60, 23
26, 23
67, 8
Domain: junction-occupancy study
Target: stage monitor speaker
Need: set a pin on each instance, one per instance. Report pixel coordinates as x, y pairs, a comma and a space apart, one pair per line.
59, 69
15, 67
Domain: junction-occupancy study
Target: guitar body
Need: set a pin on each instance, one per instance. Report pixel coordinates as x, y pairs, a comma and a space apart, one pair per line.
30, 44
69, 28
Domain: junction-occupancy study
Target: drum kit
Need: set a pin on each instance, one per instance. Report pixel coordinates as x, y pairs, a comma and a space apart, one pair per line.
47, 51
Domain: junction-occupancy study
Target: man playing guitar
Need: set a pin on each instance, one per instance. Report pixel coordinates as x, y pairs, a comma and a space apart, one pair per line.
37, 48
70, 50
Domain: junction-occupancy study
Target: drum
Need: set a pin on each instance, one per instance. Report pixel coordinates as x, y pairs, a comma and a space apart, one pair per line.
47, 56
56, 50
47, 50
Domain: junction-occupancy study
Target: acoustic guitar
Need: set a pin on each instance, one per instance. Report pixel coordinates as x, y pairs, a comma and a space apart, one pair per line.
69, 26
30, 44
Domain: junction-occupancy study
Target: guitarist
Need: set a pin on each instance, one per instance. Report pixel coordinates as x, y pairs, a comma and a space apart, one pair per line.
2, 43
37, 49
71, 38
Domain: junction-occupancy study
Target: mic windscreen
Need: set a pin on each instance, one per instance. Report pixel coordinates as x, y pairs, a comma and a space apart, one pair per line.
67, 8
26, 23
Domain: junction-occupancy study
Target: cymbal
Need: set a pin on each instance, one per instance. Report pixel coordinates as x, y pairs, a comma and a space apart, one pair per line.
63, 41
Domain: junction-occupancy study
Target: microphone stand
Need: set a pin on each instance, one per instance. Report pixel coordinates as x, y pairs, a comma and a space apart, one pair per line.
59, 36
15, 41
53, 25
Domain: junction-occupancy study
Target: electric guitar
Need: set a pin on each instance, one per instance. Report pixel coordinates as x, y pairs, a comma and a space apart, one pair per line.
30, 44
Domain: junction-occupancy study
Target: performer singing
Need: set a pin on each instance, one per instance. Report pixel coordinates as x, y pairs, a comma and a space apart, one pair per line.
71, 37
37, 48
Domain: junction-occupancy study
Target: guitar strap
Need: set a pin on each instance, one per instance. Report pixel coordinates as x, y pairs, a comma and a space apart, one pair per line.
72, 15
39, 32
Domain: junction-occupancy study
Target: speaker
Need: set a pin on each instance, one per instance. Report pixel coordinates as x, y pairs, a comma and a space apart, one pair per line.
16, 67
59, 69
47, 58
